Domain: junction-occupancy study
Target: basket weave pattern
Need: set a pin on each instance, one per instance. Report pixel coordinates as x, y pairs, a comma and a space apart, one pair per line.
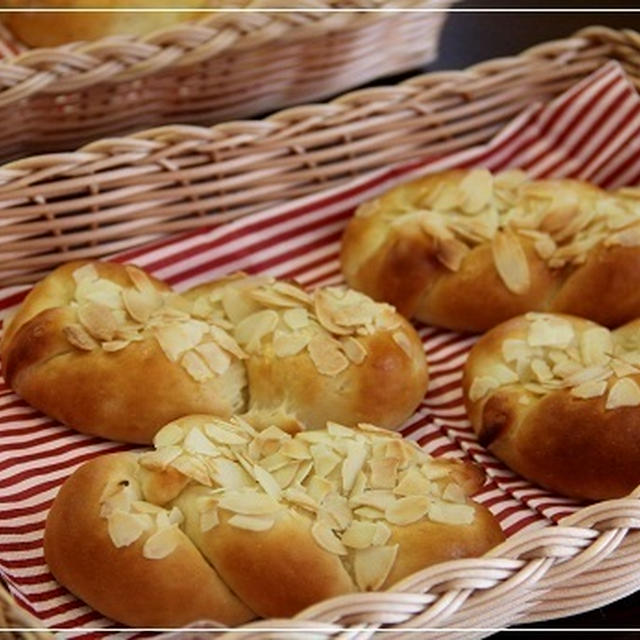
228, 65
124, 191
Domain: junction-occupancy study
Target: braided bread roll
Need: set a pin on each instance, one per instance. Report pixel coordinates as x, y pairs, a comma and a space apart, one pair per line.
466, 250
261, 523
557, 398
113, 352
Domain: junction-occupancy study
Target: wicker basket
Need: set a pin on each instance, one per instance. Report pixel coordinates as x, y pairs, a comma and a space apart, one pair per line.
118, 193
227, 65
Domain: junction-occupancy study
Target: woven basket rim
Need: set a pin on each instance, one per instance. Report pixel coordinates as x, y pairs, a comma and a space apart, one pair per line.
529, 565
112, 59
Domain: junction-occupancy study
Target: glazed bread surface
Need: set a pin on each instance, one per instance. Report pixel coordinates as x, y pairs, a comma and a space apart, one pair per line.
263, 523
466, 249
113, 352
557, 398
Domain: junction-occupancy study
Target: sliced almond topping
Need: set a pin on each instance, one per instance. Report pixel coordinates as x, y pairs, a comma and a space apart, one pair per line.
227, 342
624, 393
221, 435
124, 528
299, 497
79, 338
354, 349
549, 331
286, 343
338, 507
230, 474
267, 482
140, 305
451, 252
541, 370
353, 463
139, 278
622, 369
161, 543
251, 523
448, 513
629, 237
369, 513
318, 488
481, 386
402, 340
271, 298
359, 535
115, 345
477, 186
303, 471
324, 459
159, 459
87, 272
372, 566
407, 510
596, 346
98, 320
325, 537
296, 449
249, 503
197, 442
513, 350
215, 358
196, 367
253, 328
511, 262
326, 355
376, 498
192, 468
454, 493
590, 389
324, 307
597, 372
209, 519
296, 318
286, 475
293, 291
384, 472
412, 483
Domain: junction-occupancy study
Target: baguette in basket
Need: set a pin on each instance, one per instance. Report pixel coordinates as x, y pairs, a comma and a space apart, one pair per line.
466, 250
227, 523
113, 352
557, 398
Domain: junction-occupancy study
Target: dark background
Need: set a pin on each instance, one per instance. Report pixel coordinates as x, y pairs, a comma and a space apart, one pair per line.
468, 38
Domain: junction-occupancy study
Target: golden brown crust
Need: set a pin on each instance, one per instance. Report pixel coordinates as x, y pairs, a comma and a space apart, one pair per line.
416, 247
575, 446
124, 382
282, 566
120, 582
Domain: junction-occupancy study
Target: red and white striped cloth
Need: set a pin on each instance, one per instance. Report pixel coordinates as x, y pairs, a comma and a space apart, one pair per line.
590, 132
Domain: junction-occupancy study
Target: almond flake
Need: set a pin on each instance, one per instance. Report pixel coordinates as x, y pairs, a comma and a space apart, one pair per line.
354, 349
249, 503
477, 186
629, 237
139, 278
112, 346
549, 331
209, 520
293, 291
286, 475
124, 528
624, 393
324, 307
481, 386
303, 471
382, 534
170, 434
140, 305
359, 535
267, 482
451, 252
85, 273
356, 455
318, 488
407, 510
192, 468
251, 523
448, 513
511, 262
384, 473
222, 435
622, 369
229, 474
271, 298
513, 350
296, 449
326, 355
215, 358
253, 328
299, 497
237, 305
402, 340
227, 342
296, 318
197, 442
78, 337
598, 372
160, 459
324, 460
541, 370
376, 498
325, 538
372, 566
590, 389
369, 513
196, 367
454, 493
98, 320
596, 346
286, 343
412, 483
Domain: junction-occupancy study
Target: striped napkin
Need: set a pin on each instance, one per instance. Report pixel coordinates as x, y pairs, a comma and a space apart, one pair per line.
589, 132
